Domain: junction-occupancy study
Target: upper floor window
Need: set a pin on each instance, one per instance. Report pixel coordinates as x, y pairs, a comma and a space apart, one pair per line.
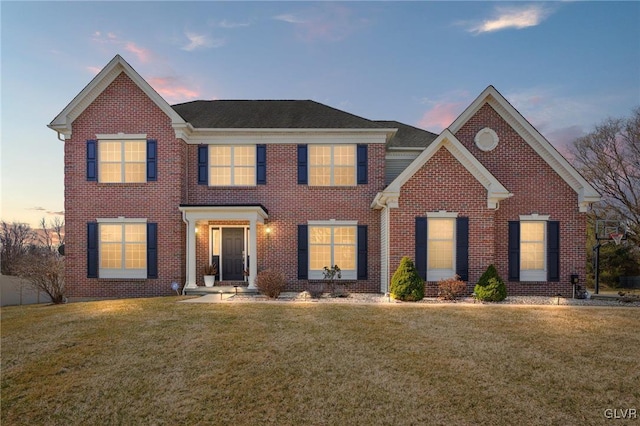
332, 165
232, 165
122, 161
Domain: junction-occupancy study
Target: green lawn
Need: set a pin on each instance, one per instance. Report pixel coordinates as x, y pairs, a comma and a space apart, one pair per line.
155, 361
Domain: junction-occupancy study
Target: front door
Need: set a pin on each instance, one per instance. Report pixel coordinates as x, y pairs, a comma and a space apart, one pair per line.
232, 254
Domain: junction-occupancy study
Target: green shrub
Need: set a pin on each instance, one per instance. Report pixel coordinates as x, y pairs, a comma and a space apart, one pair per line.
451, 288
494, 291
406, 283
270, 283
491, 272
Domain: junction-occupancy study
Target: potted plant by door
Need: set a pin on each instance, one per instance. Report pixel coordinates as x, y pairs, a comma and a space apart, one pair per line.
210, 272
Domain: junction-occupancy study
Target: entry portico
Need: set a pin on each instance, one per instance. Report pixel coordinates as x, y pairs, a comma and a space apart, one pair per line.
192, 215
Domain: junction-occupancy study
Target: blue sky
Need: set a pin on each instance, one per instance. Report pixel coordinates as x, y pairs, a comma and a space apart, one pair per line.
566, 66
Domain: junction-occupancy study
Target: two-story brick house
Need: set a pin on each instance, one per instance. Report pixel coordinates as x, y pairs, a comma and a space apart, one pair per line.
155, 192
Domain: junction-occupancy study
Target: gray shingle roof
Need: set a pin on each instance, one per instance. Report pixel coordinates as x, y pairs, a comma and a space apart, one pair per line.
408, 136
269, 114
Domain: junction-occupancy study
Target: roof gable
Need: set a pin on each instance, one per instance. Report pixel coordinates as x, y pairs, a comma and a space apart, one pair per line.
587, 194
446, 140
64, 120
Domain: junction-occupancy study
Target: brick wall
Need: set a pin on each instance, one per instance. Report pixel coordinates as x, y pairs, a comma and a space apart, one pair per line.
443, 184
124, 108
290, 205
537, 188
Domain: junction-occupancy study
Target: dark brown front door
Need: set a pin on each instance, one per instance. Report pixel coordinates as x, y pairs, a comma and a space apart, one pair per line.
232, 254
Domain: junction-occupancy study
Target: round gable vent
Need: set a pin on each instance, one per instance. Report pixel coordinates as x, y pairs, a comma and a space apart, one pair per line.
486, 139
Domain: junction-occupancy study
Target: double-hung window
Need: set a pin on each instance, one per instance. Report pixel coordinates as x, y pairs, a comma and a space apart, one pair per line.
232, 165
532, 251
333, 245
332, 165
122, 161
122, 249
441, 248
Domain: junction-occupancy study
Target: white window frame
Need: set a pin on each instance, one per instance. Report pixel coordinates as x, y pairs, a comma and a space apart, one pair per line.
534, 274
439, 274
232, 166
123, 272
122, 138
332, 164
346, 274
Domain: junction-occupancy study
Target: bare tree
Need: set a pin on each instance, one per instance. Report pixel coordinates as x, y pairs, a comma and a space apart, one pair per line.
15, 240
609, 158
44, 269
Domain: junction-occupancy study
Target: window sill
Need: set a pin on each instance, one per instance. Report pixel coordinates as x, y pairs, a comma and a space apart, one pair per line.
227, 187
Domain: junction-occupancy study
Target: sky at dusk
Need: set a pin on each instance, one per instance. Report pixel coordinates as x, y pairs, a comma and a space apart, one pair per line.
566, 66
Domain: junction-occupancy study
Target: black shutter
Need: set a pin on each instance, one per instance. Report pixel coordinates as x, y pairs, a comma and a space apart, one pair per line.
514, 251
261, 164
152, 157
421, 246
302, 165
203, 165
92, 250
553, 251
152, 250
92, 160
303, 252
362, 164
462, 248
363, 266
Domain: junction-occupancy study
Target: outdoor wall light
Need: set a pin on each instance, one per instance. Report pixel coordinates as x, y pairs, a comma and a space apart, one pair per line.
268, 230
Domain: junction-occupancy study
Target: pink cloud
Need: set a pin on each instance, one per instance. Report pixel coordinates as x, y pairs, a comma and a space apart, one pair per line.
144, 55
440, 116
172, 90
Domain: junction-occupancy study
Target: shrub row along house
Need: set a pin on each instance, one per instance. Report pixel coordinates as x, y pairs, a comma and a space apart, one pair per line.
154, 192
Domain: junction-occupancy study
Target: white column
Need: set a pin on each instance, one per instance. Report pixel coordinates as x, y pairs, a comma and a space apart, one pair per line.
191, 254
253, 253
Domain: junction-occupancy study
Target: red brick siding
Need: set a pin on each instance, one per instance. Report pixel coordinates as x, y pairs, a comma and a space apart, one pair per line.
537, 188
123, 107
290, 205
443, 184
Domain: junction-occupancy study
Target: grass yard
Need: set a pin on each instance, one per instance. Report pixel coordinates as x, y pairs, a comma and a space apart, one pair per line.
155, 361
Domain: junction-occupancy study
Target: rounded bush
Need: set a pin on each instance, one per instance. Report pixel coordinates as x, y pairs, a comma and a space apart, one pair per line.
494, 291
406, 283
491, 272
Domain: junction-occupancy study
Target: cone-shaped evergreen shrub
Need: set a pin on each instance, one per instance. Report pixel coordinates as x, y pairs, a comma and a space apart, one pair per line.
490, 287
406, 283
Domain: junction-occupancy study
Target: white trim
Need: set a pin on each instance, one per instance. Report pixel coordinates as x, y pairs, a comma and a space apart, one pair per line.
192, 214
587, 194
332, 222
64, 120
442, 214
121, 136
534, 217
495, 191
384, 250
494, 139
121, 219
249, 136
